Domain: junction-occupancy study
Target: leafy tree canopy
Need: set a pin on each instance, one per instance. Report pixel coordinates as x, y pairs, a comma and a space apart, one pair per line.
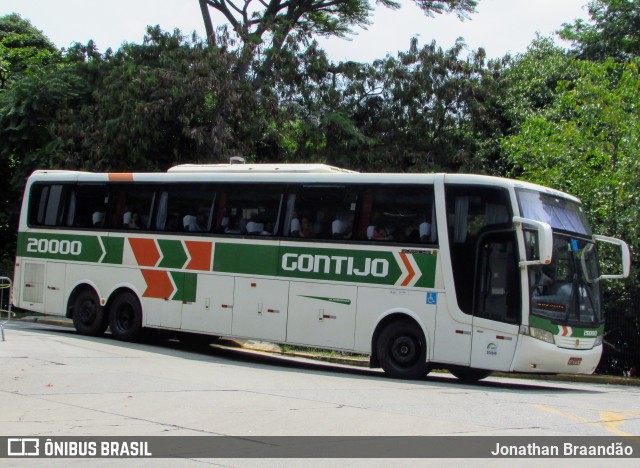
614, 31
22, 48
272, 22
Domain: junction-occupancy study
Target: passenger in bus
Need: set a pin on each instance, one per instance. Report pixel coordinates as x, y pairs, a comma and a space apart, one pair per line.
131, 220
305, 228
378, 234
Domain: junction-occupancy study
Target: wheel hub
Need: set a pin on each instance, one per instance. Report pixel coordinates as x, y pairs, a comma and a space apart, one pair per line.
404, 349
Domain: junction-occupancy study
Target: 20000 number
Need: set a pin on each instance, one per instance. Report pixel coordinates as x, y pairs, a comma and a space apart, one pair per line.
54, 246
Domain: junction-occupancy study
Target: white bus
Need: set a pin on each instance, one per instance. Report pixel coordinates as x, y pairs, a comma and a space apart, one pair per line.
469, 273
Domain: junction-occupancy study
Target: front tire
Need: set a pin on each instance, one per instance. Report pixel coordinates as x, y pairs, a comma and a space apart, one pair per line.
88, 315
402, 350
125, 317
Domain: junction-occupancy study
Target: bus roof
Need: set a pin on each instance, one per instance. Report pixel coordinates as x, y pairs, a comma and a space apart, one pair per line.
259, 168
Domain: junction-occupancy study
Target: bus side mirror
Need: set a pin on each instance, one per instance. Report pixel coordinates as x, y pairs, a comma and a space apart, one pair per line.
545, 240
626, 257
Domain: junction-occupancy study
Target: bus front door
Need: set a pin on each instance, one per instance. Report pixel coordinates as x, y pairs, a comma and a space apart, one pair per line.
497, 302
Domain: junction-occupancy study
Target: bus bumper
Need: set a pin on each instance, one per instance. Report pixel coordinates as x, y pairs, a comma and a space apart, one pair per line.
536, 356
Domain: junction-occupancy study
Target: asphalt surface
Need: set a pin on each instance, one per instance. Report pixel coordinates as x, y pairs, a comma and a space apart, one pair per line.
267, 347
56, 382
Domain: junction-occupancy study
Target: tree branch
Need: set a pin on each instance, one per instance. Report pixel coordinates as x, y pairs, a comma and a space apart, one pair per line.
208, 24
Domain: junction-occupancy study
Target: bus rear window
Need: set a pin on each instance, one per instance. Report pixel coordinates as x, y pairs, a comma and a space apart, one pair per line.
49, 205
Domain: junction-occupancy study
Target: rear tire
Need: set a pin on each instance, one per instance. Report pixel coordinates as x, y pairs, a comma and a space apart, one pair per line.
125, 317
88, 315
402, 350
469, 375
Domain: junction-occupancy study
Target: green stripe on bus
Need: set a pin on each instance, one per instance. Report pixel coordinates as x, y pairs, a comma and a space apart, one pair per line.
55, 246
246, 259
334, 300
173, 254
71, 247
576, 332
427, 265
114, 247
186, 286
326, 264
343, 265
314, 263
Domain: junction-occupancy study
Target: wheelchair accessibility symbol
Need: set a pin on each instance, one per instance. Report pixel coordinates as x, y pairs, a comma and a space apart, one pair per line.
432, 298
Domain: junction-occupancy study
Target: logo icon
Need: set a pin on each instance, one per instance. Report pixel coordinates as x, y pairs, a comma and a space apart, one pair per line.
23, 447
492, 349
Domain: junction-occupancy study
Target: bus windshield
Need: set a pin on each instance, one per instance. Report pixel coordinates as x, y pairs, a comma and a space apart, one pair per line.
566, 291
559, 213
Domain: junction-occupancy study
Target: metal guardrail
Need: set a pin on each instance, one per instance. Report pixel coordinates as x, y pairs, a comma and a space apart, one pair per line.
5, 302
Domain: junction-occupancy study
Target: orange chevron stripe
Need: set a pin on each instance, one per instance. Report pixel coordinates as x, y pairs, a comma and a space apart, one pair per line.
159, 284
407, 264
145, 251
200, 253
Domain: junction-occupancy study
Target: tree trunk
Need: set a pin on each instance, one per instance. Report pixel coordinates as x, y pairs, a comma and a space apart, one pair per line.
208, 24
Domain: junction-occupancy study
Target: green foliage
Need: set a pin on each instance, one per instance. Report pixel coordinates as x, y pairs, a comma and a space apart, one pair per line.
614, 31
23, 49
427, 109
586, 142
25, 112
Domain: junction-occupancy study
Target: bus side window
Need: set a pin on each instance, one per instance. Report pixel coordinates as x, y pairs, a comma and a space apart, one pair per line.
132, 206
249, 210
50, 205
398, 213
184, 208
90, 206
321, 212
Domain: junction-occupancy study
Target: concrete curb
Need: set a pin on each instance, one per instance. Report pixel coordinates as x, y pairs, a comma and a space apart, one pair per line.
271, 348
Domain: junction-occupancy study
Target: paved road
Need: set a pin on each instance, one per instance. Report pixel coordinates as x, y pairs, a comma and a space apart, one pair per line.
55, 382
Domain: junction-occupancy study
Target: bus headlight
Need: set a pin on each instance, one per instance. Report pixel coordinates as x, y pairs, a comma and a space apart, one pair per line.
599, 340
540, 334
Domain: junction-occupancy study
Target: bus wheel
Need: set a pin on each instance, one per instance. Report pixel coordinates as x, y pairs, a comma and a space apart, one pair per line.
125, 317
402, 350
469, 375
88, 314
